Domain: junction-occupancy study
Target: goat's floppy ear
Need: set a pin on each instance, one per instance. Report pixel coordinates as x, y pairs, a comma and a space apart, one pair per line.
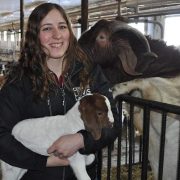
89, 118
126, 55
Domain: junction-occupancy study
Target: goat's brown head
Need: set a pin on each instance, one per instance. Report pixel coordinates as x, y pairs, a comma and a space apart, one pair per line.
122, 51
96, 113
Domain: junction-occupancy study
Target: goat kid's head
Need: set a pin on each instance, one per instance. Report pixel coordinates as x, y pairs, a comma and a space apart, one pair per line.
96, 114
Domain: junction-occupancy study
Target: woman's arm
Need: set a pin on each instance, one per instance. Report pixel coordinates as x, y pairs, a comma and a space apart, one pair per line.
11, 111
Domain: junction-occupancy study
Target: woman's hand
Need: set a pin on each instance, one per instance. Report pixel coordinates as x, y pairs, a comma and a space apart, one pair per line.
67, 145
53, 161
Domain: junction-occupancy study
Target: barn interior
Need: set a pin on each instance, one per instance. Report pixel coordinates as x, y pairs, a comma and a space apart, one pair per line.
10, 10
156, 18
149, 15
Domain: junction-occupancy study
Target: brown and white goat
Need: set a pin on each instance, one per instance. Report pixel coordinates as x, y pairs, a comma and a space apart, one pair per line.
92, 112
166, 90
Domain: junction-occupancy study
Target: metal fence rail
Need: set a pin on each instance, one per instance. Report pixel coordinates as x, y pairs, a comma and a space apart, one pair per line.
147, 106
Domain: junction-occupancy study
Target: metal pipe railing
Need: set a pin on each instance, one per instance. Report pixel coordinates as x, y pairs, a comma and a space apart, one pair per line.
147, 107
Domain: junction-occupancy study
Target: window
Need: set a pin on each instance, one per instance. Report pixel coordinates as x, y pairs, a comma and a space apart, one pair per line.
138, 26
12, 37
171, 30
5, 35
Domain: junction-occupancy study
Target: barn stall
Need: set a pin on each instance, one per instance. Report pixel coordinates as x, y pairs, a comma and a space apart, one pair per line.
127, 157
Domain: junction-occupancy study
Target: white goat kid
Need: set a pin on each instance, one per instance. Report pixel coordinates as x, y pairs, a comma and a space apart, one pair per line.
166, 90
39, 133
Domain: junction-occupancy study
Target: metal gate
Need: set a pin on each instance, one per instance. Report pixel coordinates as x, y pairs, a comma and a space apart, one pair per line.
147, 107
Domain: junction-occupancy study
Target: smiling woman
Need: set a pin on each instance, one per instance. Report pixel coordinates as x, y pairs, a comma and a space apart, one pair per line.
52, 74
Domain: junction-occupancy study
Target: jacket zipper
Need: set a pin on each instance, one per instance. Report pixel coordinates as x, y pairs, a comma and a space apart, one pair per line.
49, 105
63, 94
50, 113
64, 99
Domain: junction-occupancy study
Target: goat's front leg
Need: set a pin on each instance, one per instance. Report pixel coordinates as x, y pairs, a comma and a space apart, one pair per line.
11, 172
77, 162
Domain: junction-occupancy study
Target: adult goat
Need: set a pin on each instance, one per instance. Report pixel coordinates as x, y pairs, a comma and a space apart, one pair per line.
164, 90
125, 54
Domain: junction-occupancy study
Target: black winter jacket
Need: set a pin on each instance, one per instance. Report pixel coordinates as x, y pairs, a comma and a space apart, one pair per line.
17, 104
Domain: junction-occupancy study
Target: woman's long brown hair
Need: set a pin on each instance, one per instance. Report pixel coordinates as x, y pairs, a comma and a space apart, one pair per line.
33, 60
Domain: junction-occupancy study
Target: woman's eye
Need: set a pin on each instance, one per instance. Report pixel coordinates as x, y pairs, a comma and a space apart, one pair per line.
46, 29
62, 27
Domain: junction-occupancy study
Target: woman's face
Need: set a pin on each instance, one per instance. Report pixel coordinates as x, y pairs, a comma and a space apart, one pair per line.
54, 35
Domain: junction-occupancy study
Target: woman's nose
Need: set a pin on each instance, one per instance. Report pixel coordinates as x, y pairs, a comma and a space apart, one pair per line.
56, 33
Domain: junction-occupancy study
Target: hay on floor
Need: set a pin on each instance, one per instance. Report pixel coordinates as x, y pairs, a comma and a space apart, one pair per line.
136, 173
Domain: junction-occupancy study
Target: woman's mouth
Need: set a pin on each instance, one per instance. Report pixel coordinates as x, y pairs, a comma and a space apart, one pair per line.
56, 45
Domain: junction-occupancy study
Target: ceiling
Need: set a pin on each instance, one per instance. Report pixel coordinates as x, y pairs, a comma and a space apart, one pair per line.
10, 9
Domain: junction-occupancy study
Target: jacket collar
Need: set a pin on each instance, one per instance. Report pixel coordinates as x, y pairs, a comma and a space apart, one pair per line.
76, 67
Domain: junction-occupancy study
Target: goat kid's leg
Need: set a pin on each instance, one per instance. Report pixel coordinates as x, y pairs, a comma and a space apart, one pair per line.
11, 172
77, 162
89, 159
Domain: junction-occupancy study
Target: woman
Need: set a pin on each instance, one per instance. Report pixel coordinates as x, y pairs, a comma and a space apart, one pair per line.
51, 75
